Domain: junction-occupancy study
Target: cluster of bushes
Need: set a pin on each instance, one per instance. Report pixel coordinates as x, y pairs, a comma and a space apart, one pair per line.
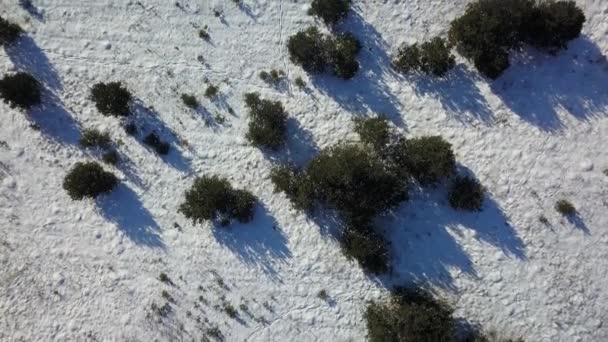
88, 180
268, 122
214, 199
20, 90
9, 32
272, 77
330, 11
316, 52
433, 57
489, 29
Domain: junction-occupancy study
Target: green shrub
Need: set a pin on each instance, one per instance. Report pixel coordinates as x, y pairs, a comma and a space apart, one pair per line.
375, 132
410, 315
9, 32
565, 208
294, 185
330, 11
212, 91
154, 141
95, 138
111, 98
268, 122
190, 101
432, 57
88, 180
214, 199
556, 23
20, 90
371, 250
342, 55
466, 194
428, 159
307, 49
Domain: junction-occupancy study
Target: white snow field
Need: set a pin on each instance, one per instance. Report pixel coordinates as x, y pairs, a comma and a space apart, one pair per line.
89, 270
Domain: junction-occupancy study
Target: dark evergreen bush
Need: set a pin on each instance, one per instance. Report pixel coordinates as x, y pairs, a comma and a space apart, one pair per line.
214, 199
432, 57
330, 11
190, 101
9, 32
342, 55
154, 141
428, 159
565, 208
370, 250
268, 122
295, 185
375, 132
20, 90
556, 23
88, 180
466, 193
212, 91
111, 98
95, 138
307, 48
410, 315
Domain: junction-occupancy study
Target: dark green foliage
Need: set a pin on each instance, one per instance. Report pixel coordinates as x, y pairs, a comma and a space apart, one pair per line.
307, 49
375, 132
330, 11
214, 199
111, 98
466, 193
211, 91
432, 57
565, 208
95, 138
489, 29
273, 77
268, 122
294, 185
20, 90
9, 32
190, 101
428, 159
153, 140
342, 55
88, 180
299, 82
410, 315
370, 250
110, 157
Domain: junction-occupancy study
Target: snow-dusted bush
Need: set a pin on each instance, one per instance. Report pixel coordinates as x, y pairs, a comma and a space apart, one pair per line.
154, 141
432, 57
466, 193
375, 132
95, 138
428, 159
9, 32
88, 180
214, 199
268, 122
20, 90
111, 98
368, 248
330, 11
410, 315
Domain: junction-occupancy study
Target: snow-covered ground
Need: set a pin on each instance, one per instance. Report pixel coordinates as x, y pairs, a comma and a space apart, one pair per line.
88, 271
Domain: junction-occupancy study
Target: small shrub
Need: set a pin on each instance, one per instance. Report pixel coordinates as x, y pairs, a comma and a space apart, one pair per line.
466, 194
110, 157
307, 49
433, 57
375, 132
428, 159
410, 315
154, 141
163, 277
204, 33
190, 101
212, 91
542, 219
111, 98
370, 250
214, 199
330, 11
299, 82
272, 77
88, 180
230, 310
95, 138
323, 295
20, 90
268, 123
9, 32
565, 208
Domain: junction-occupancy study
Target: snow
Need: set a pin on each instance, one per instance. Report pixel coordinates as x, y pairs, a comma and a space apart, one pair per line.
76, 271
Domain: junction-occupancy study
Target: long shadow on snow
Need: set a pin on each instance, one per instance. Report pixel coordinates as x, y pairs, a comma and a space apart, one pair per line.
28, 57
537, 85
31, 9
54, 120
123, 208
148, 120
299, 148
367, 91
260, 243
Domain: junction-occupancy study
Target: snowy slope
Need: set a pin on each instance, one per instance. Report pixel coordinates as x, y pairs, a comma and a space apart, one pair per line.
88, 271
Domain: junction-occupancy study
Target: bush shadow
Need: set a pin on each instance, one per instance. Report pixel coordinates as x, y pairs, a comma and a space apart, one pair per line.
28, 57
53, 119
367, 91
299, 148
31, 9
577, 221
123, 208
538, 86
260, 243
149, 121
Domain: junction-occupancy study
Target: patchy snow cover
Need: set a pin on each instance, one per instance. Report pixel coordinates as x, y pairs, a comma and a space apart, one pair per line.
76, 271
